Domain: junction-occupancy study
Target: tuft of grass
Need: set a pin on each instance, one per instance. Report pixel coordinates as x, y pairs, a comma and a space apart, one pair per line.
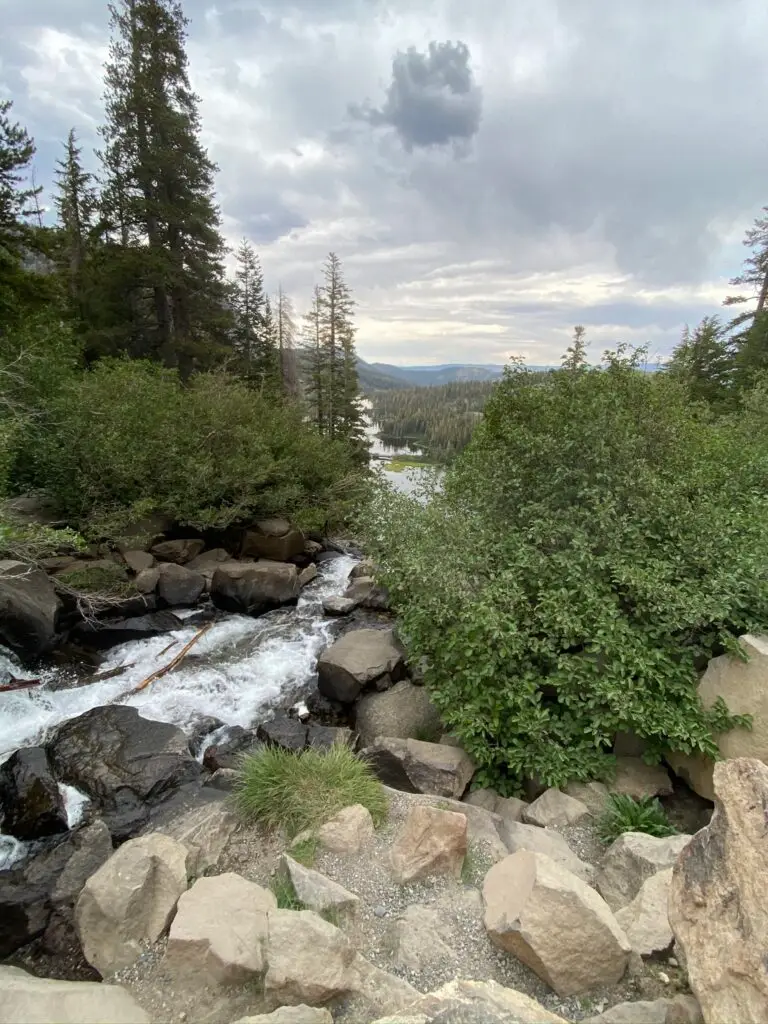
298, 791
625, 814
284, 893
477, 863
305, 851
98, 579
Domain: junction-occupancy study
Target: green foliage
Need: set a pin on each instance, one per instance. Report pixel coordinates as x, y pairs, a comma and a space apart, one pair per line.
598, 540
128, 438
98, 579
298, 791
704, 363
624, 814
284, 892
305, 851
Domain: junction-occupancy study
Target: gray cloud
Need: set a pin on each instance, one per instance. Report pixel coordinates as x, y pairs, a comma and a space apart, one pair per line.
433, 98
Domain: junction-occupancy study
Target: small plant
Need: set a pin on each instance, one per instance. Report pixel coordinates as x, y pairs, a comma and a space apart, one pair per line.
305, 851
284, 892
625, 814
477, 864
298, 791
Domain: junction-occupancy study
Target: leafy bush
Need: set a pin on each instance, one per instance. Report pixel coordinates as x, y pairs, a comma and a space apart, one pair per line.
624, 814
298, 791
596, 543
128, 438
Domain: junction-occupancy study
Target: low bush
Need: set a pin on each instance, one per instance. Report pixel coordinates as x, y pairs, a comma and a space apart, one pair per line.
296, 791
625, 814
599, 539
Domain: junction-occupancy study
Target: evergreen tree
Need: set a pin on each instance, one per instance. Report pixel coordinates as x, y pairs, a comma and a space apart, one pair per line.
575, 357
76, 204
249, 306
750, 328
158, 171
337, 330
704, 362
286, 342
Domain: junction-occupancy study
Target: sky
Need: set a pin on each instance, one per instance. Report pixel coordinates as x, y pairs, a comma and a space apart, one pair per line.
490, 173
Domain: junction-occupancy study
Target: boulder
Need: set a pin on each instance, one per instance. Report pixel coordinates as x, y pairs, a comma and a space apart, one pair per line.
645, 920
272, 538
178, 551
29, 609
30, 801
146, 581
554, 923
404, 712
430, 842
178, 586
86, 849
365, 592
510, 808
632, 859
594, 796
336, 604
121, 761
309, 960
220, 931
25, 999
101, 634
420, 939
349, 831
317, 892
226, 751
637, 779
518, 836
208, 560
375, 991
363, 568
203, 822
138, 561
307, 574
474, 1002
361, 658
417, 767
483, 826
144, 533
291, 1015
743, 685
24, 911
679, 1010
718, 905
284, 732
323, 737
254, 588
554, 808
130, 900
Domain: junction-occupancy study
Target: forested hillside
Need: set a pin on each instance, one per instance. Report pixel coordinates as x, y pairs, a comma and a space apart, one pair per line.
136, 376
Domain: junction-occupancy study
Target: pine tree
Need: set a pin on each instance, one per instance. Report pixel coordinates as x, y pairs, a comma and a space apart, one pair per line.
313, 362
286, 342
703, 361
76, 204
248, 306
749, 330
575, 357
343, 415
154, 162
269, 354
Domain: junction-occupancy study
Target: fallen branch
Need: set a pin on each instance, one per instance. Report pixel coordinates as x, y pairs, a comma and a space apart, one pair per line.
19, 684
171, 664
112, 672
166, 649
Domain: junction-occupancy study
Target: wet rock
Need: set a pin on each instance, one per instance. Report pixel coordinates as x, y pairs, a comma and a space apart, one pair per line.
226, 751
317, 892
474, 1002
631, 860
284, 732
102, 634
223, 780
138, 561
430, 842
361, 658
29, 609
404, 712
364, 568
130, 901
554, 808
178, 551
30, 801
365, 592
307, 574
220, 931
718, 905
178, 586
25, 999
201, 730
122, 761
254, 588
554, 923
323, 737
416, 767
518, 836
338, 605
273, 538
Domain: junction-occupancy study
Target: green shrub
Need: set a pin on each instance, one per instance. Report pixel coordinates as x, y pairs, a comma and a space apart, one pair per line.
98, 579
127, 438
595, 544
298, 791
624, 814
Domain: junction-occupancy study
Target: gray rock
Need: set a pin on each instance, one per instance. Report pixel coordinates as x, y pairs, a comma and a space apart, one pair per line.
631, 860
361, 658
203, 822
102, 634
645, 920
138, 561
679, 1010
416, 767
365, 592
29, 609
338, 605
273, 538
420, 939
554, 808
518, 836
307, 574
25, 999
319, 893
30, 801
254, 588
178, 586
179, 551
404, 712
637, 779
291, 1015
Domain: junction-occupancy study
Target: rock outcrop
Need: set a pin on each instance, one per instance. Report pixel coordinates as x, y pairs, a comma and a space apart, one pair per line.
554, 923
361, 658
29, 609
25, 999
718, 905
254, 588
31, 805
130, 900
431, 842
416, 767
632, 859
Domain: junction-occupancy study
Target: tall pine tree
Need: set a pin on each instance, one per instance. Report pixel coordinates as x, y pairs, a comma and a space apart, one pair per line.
313, 362
254, 332
76, 205
161, 178
337, 330
750, 329
703, 361
286, 343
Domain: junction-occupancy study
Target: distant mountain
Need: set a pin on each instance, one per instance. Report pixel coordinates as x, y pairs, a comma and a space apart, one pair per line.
384, 376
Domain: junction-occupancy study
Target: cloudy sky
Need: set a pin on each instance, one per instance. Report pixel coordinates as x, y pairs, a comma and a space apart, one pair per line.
490, 172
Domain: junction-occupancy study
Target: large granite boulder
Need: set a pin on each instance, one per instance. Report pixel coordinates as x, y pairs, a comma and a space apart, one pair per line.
404, 712
253, 588
122, 761
645, 920
31, 805
554, 808
554, 923
29, 609
430, 842
178, 586
359, 659
416, 767
743, 685
25, 999
275, 539
718, 905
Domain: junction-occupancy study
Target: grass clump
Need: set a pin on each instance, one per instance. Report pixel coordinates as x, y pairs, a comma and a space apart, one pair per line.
625, 814
298, 791
284, 892
304, 851
103, 578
